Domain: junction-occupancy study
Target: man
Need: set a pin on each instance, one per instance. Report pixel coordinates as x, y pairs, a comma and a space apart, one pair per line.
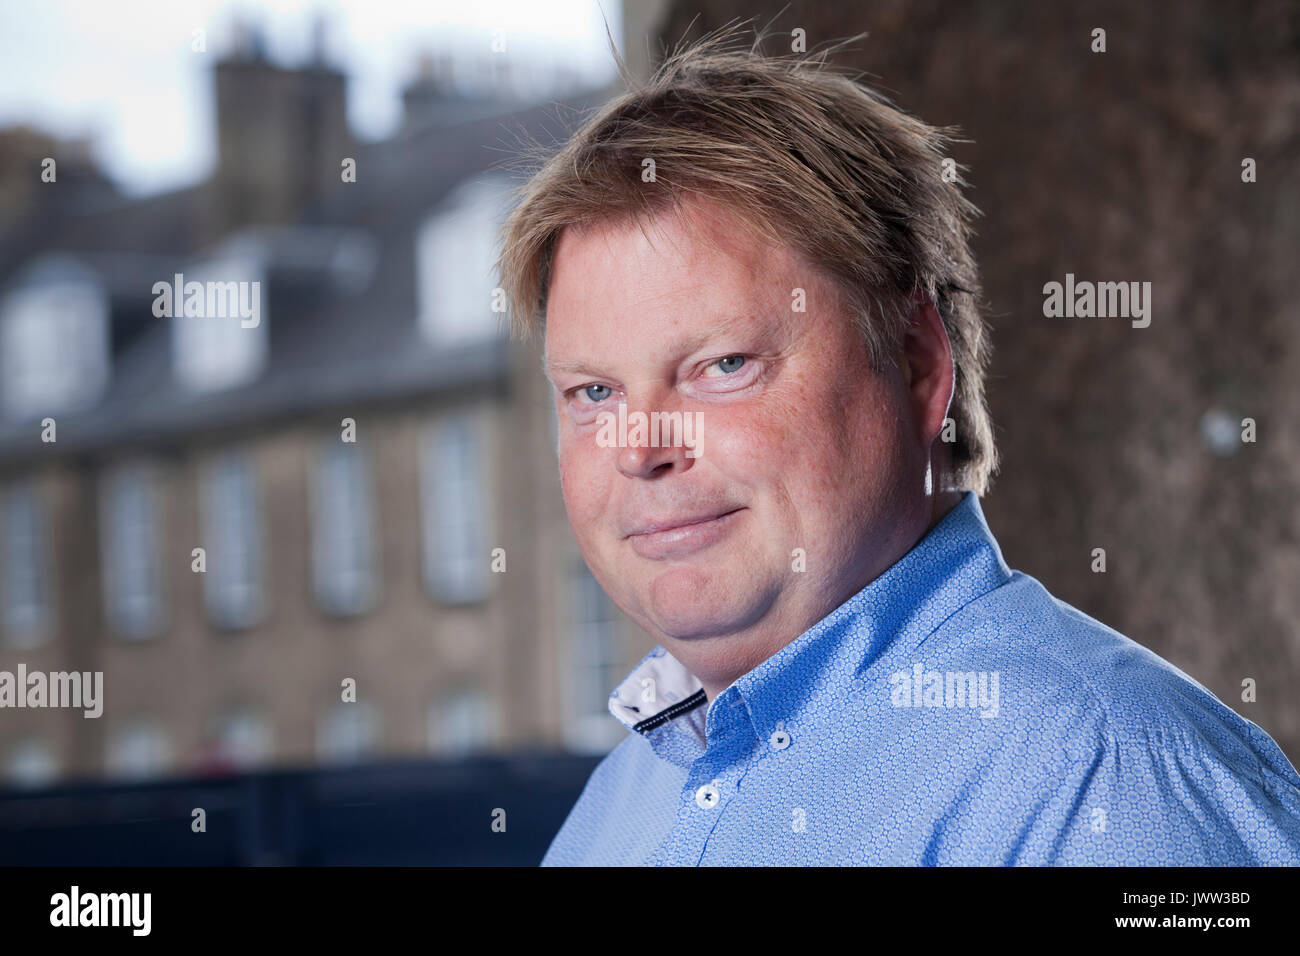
847, 672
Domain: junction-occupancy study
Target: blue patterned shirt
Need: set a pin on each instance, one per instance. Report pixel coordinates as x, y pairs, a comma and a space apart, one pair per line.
950, 712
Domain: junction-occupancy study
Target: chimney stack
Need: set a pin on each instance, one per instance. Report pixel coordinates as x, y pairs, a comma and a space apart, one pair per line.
282, 135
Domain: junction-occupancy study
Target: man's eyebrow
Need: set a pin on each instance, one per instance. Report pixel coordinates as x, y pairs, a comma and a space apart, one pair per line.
551, 369
684, 346
571, 366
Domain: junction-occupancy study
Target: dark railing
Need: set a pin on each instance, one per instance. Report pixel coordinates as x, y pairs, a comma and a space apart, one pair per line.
411, 813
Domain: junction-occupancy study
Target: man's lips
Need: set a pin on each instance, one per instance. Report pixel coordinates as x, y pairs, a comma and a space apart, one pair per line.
668, 524
678, 536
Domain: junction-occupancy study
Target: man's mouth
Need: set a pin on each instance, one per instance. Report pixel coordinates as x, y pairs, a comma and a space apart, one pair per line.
678, 536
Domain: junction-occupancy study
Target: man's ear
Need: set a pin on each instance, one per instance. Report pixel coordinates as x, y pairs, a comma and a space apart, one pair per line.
927, 366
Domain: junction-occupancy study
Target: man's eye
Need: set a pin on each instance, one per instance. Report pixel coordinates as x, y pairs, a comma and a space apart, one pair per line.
729, 364
595, 393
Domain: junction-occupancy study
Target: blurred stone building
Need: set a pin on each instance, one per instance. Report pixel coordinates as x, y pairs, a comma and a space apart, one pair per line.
328, 559
1124, 165
428, 560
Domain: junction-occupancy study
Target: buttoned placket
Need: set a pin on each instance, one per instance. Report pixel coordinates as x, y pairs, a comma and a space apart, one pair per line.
713, 782
742, 728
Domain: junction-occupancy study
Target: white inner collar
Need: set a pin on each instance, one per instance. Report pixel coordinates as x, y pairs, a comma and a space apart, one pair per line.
658, 682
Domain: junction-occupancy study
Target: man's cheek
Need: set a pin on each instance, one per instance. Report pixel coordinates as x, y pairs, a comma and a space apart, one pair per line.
575, 462
571, 488
584, 496
749, 445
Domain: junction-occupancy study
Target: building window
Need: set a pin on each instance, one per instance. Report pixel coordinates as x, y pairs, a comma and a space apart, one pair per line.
461, 721
348, 733
233, 585
138, 750
241, 740
26, 567
455, 250
31, 763
343, 550
219, 338
456, 554
54, 345
129, 551
597, 660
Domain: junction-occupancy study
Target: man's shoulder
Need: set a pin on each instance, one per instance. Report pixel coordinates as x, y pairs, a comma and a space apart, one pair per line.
1089, 746
1076, 678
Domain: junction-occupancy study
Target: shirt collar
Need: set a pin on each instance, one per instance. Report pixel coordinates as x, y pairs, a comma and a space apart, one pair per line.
957, 562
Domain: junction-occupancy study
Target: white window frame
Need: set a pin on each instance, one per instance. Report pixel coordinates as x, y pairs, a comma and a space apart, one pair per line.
344, 548
31, 762
31, 624
350, 732
54, 344
244, 736
230, 483
455, 507
596, 655
211, 353
462, 720
129, 551
455, 251
138, 749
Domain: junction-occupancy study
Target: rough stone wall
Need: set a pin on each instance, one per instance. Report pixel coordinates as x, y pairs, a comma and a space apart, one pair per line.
1126, 166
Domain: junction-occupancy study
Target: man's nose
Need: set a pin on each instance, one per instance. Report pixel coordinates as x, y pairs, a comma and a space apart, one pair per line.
654, 446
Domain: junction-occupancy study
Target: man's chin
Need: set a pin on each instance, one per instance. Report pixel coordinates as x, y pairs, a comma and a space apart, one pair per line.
687, 603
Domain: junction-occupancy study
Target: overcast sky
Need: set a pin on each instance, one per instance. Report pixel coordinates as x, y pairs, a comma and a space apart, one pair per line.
125, 73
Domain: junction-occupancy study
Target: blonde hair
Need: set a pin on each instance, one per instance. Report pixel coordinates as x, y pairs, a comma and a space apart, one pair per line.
802, 155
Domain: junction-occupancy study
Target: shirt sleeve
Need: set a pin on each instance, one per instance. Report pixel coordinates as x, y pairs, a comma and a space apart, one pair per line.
1204, 793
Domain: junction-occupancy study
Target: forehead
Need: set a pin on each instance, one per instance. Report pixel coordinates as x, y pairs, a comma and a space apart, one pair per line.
689, 268
679, 236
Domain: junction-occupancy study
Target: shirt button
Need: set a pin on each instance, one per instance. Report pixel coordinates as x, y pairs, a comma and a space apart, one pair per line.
707, 797
779, 740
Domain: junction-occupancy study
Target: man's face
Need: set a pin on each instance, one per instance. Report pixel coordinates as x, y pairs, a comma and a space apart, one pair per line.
808, 468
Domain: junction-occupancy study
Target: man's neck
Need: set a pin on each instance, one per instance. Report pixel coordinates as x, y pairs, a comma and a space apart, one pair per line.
942, 505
